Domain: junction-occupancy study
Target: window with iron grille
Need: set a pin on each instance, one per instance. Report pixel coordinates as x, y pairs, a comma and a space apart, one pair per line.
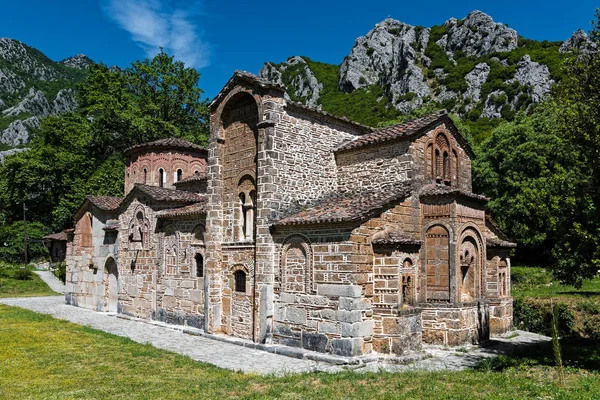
239, 278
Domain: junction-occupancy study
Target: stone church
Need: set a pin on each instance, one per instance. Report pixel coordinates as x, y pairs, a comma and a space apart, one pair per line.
299, 228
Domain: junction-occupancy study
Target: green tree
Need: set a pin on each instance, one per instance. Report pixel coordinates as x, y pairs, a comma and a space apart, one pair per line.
577, 120
11, 242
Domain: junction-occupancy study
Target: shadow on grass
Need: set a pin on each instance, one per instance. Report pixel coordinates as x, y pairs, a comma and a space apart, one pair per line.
576, 352
585, 293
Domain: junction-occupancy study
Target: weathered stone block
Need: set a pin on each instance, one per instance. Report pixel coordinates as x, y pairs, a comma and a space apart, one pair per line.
314, 341
296, 315
347, 347
333, 290
328, 327
357, 329
348, 303
196, 295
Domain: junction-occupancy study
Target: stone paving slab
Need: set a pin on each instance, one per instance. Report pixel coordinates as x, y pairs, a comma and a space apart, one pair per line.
234, 355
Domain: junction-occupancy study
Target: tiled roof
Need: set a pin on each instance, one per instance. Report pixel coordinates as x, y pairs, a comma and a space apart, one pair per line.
440, 190
404, 129
173, 143
162, 194
395, 237
192, 209
197, 177
106, 203
60, 236
495, 242
354, 207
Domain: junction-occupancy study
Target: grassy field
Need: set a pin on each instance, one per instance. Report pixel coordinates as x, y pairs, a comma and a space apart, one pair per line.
45, 358
538, 283
12, 286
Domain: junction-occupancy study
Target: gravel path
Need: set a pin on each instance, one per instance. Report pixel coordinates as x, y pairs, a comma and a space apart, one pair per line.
237, 358
52, 281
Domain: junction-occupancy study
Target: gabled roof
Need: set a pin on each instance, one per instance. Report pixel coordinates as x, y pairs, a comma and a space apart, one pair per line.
197, 177
105, 203
352, 207
165, 195
499, 243
109, 204
247, 78
406, 129
193, 209
168, 143
59, 236
434, 189
294, 106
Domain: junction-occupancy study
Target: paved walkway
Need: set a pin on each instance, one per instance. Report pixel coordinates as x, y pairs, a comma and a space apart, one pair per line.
237, 358
52, 281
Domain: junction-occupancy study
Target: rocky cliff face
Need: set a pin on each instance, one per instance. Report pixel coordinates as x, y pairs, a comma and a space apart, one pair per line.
474, 67
28, 84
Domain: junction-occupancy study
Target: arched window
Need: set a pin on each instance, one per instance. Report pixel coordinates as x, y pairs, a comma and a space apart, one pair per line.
199, 265
242, 217
178, 175
145, 176
239, 278
86, 230
161, 177
446, 169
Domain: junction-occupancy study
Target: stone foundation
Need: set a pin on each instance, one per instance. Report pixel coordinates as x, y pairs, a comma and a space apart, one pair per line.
455, 325
501, 316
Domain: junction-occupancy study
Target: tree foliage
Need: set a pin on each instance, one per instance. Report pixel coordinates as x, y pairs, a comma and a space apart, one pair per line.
81, 153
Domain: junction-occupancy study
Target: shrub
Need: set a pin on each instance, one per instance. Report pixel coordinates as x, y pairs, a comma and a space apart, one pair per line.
61, 271
24, 273
537, 317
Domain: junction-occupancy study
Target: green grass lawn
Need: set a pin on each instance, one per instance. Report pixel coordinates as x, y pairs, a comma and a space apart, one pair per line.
45, 358
539, 283
10, 286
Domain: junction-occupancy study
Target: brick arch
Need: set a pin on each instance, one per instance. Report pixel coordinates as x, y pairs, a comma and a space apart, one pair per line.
198, 234
296, 265
471, 270
232, 95
437, 262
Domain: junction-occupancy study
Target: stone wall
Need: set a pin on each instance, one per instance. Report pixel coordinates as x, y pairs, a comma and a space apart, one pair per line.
455, 325
371, 167
91, 246
143, 165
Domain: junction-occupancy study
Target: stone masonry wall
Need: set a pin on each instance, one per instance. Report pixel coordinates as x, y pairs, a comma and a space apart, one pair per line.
372, 167
151, 160
418, 148
87, 277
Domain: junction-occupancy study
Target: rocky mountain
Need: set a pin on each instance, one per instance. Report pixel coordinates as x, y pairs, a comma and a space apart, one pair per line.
32, 87
477, 68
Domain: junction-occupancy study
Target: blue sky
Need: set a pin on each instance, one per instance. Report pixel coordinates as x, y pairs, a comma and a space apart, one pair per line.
218, 36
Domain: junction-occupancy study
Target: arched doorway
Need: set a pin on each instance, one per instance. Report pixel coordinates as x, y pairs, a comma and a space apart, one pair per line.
112, 295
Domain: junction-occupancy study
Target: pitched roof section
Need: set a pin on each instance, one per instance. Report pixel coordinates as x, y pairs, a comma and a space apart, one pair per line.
105, 203
393, 132
168, 143
197, 177
499, 243
441, 190
193, 209
167, 195
59, 236
111, 225
407, 129
354, 207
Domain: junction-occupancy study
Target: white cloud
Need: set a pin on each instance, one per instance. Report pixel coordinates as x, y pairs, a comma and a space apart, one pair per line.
162, 23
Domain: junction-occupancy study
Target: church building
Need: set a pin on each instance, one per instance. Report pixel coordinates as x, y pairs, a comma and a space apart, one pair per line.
300, 228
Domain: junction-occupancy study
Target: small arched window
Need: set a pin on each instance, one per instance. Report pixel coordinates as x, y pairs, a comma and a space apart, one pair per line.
446, 170
145, 176
199, 265
239, 278
161, 177
178, 175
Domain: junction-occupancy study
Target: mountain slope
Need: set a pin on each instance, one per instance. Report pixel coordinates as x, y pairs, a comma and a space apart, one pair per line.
476, 68
32, 87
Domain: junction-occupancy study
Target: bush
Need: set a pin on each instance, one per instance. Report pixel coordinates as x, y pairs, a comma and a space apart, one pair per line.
534, 316
23, 273
61, 271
